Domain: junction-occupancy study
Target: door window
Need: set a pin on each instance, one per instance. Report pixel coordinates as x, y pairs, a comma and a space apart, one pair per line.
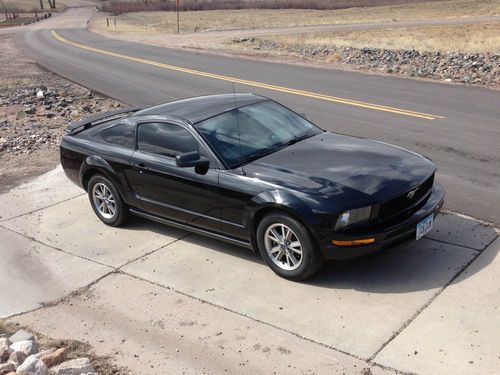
165, 139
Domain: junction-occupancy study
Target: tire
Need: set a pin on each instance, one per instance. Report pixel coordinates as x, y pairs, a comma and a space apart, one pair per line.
282, 255
107, 202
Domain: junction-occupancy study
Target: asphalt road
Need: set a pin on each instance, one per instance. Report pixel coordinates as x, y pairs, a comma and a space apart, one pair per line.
459, 128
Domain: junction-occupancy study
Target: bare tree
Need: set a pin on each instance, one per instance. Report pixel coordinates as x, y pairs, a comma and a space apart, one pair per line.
52, 4
41, 4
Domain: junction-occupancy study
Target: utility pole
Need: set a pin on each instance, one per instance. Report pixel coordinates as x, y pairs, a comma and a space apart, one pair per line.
177, 3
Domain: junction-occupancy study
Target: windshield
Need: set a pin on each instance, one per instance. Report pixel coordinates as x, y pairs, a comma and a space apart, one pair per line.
263, 128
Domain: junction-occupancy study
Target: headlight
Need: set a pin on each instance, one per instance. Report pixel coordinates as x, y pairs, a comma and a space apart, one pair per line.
350, 217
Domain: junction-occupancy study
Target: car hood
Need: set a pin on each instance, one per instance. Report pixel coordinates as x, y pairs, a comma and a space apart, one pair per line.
331, 164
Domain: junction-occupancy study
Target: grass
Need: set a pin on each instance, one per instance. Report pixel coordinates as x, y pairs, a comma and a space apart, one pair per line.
28, 5
165, 22
464, 38
126, 6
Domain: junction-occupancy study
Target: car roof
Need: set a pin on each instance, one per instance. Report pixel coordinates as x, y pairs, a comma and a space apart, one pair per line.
202, 107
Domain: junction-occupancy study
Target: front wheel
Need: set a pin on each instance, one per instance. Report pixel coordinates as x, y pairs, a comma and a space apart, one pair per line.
106, 201
287, 247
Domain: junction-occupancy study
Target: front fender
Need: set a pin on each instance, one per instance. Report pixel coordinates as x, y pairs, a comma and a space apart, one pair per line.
279, 200
285, 201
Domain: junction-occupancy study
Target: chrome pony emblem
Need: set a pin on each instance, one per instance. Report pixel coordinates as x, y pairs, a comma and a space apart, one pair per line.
411, 193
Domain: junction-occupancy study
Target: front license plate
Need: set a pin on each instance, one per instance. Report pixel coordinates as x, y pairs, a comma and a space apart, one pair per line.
425, 226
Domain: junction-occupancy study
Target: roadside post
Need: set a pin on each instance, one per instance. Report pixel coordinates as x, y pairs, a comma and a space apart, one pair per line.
177, 5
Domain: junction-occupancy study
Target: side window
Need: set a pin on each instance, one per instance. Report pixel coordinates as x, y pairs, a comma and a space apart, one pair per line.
121, 134
165, 139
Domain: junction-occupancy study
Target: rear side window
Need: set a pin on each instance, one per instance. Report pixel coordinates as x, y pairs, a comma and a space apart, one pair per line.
165, 139
121, 134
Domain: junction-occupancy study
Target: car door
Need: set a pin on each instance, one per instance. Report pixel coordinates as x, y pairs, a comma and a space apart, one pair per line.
166, 190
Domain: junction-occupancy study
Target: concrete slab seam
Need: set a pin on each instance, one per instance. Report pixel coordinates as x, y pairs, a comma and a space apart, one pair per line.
425, 305
41, 208
465, 216
368, 361
55, 248
74, 293
463, 246
153, 251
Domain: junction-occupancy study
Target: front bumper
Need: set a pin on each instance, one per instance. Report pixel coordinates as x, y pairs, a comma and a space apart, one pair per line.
386, 238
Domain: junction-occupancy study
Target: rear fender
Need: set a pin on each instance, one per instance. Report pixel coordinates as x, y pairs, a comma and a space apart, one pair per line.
97, 164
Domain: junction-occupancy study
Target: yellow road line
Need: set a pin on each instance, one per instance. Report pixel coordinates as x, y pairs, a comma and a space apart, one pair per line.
267, 86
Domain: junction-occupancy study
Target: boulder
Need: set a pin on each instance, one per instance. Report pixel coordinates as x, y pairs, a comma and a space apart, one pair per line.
32, 366
27, 347
4, 349
17, 358
79, 366
5, 368
22, 335
54, 358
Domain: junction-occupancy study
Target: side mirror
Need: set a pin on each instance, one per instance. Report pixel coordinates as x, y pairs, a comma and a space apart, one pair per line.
192, 159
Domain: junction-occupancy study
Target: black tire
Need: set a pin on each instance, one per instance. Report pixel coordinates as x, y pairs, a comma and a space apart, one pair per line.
311, 260
121, 210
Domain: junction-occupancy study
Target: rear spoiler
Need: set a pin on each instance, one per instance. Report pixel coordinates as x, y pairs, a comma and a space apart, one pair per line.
88, 122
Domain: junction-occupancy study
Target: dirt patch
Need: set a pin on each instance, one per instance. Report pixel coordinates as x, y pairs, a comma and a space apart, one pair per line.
35, 108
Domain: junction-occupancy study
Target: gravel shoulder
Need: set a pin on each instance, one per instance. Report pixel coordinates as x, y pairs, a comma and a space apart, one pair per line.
30, 126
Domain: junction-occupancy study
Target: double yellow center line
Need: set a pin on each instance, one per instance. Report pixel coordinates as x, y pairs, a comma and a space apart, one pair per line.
267, 86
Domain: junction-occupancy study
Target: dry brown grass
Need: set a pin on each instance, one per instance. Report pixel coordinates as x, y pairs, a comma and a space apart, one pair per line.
463, 38
126, 6
165, 22
28, 5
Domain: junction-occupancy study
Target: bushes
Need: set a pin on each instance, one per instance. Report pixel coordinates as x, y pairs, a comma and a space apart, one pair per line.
120, 6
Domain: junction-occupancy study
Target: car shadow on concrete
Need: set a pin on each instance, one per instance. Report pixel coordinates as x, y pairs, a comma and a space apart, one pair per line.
422, 265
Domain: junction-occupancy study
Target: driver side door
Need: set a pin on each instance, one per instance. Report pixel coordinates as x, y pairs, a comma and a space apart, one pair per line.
166, 190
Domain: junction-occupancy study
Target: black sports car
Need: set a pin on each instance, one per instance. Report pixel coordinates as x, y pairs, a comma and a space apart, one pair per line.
245, 169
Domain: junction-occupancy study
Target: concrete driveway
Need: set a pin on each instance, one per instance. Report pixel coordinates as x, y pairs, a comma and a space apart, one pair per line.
160, 300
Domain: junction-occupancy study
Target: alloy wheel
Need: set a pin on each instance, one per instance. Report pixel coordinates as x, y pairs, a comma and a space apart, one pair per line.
104, 201
283, 246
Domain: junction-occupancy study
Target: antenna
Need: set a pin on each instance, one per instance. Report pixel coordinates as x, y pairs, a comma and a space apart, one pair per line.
237, 124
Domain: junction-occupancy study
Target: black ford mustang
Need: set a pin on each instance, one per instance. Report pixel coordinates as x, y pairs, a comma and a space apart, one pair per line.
245, 169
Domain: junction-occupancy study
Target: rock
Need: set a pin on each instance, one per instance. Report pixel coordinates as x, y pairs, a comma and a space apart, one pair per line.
20, 115
45, 352
21, 335
40, 94
52, 359
17, 358
74, 113
27, 347
32, 366
5, 368
30, 110
4, 343
79, 366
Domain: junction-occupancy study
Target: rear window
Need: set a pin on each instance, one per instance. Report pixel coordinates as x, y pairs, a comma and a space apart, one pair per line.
121, 134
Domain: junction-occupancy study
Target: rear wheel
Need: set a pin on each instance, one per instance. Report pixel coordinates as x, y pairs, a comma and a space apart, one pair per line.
106, 201
287, 247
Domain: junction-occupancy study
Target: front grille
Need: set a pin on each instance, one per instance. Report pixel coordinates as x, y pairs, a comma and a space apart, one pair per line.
403, 206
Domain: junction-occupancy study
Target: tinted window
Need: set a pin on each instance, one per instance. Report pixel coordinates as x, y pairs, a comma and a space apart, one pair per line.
165, 139
122, 134
247, 132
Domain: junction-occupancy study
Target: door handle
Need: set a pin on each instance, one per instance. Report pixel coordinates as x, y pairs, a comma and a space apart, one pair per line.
141, 167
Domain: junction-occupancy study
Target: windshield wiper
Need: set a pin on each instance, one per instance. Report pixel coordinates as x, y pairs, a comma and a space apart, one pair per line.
253, 157
295, 140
